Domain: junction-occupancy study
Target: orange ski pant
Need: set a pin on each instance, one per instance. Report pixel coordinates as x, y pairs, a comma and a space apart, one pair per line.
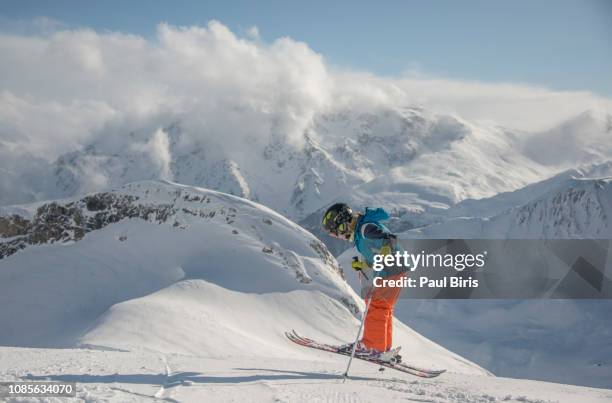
378, 326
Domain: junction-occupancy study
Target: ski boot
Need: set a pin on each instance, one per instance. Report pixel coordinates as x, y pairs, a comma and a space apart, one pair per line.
391, 356
348, 348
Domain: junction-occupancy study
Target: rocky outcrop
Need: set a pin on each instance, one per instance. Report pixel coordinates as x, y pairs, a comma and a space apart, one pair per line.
70, 221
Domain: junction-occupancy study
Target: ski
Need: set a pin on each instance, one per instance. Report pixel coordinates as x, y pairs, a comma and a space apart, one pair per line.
409, 369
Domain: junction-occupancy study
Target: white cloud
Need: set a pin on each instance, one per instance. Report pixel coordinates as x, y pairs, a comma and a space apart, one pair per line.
68, 87
516, 106
158, 150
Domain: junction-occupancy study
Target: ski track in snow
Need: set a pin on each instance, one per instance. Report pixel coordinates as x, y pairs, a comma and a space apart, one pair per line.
161, 393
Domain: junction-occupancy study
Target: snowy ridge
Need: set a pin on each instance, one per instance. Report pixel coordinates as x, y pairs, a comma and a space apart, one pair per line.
103, 224
177, 269
579, 208
503, 201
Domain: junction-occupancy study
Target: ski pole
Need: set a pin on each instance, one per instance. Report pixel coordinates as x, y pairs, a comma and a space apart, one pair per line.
365, 313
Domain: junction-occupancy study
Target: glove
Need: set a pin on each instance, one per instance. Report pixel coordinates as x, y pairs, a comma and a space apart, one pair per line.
385, 250
359, 265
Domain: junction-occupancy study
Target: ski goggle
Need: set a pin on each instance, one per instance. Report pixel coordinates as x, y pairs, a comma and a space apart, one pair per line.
340, 228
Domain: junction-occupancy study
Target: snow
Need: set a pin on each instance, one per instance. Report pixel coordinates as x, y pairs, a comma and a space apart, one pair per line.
135, 257
142, 376
144, 309
186, 307
196, 296
574, 208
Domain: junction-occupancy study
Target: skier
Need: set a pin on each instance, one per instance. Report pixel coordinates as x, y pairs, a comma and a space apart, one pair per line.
370, 237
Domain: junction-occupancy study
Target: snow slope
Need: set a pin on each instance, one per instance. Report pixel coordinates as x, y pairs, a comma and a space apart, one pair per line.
164, 291
140, 376
157, 270
88, 254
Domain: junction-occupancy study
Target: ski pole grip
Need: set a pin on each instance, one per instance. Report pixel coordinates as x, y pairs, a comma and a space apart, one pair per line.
356, 259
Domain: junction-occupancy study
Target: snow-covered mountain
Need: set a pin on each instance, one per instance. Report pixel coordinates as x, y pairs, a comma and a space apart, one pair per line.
340, 151
490, 206
413, 161
482, 172
165, 291
575, 208
87, 254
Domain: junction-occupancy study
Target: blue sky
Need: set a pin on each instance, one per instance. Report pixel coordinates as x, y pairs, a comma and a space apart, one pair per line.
561, 44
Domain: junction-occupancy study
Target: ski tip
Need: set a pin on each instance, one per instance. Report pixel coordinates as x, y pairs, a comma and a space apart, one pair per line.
436, 373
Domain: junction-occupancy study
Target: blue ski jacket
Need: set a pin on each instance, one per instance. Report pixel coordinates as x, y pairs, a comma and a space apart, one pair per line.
371, 235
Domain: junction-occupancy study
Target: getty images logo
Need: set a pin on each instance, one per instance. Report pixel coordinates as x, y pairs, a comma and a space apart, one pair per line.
413, 261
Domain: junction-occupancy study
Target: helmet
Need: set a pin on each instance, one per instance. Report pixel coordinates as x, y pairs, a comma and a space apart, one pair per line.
337, 218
